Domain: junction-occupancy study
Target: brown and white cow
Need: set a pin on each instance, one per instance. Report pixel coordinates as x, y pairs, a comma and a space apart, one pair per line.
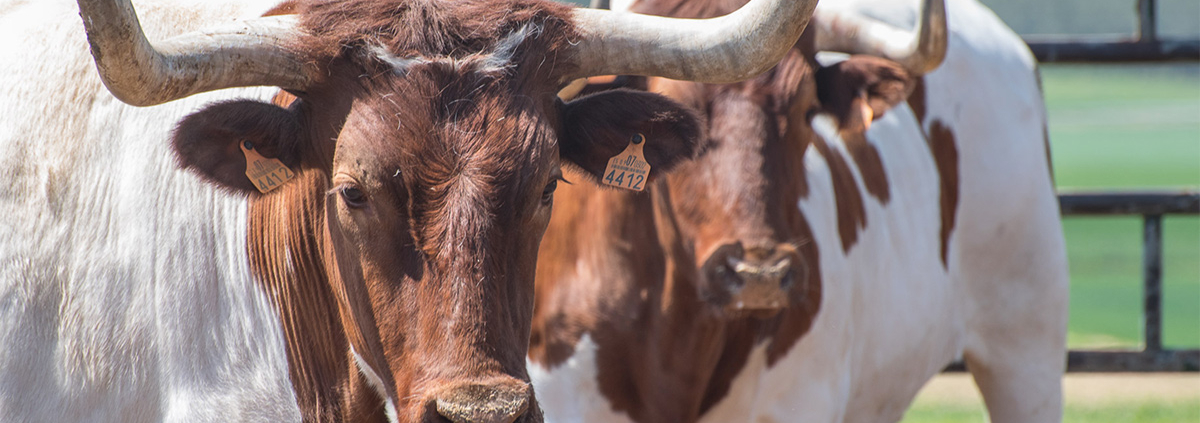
144, 277
849, 229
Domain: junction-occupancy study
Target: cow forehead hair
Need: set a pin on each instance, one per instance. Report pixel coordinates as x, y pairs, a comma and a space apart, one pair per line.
500, 59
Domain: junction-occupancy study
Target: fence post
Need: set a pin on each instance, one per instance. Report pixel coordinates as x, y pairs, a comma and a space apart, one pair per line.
1152, 278
1147, 21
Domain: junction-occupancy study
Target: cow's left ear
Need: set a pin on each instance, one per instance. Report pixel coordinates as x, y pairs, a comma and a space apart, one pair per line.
215, 143
860, 89
600, 126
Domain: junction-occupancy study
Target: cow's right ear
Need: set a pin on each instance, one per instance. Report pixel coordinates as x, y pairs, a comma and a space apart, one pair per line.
210, 142
600, 126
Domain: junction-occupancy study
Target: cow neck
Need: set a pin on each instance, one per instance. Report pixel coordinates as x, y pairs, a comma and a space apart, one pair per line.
286, 259
586, 277
606, 270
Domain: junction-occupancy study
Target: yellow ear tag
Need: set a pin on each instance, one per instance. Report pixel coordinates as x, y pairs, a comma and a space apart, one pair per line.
868, 114
629, 169
266, 174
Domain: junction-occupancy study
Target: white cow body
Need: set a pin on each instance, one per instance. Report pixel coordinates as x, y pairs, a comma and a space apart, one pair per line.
892, 315
125, 291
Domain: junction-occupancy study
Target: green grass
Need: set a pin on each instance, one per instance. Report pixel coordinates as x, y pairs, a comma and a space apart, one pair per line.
1140, 412
1127, 127
1124, 125
1105, 254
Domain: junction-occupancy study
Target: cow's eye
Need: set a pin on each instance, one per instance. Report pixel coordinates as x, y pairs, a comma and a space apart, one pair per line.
354, 197
548, 193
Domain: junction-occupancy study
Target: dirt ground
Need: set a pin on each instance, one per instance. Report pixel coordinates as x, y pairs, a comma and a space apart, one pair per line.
1082, 389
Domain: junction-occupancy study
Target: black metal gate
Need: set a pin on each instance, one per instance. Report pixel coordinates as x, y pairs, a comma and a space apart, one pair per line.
1152, 206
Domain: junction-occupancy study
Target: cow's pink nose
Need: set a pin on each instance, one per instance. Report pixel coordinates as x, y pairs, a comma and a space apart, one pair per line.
503, 401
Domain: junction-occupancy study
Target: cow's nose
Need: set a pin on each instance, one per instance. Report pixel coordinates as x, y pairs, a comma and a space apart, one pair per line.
502, 401
756, 280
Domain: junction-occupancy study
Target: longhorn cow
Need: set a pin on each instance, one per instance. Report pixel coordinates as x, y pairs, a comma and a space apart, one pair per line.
851, 227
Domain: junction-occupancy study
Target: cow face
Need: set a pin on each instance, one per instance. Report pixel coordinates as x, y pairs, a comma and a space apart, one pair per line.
425, 181
738, 200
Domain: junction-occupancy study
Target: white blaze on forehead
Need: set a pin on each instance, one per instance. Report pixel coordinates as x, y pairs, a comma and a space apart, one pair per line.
498, 60
505, 49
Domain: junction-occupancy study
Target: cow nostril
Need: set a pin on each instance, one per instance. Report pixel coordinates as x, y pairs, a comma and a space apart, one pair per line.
500, 403
726, 274
786, 280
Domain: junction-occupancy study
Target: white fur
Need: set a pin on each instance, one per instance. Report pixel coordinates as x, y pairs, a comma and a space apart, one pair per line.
125, 291
569, 392
500, 59
891, 315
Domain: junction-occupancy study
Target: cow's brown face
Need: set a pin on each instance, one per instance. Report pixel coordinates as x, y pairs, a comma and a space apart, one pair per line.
428, 189
436, 205
738, 202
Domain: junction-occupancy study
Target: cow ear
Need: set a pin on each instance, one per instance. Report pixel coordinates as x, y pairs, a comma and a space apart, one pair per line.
600, 126
860, 89
212, 142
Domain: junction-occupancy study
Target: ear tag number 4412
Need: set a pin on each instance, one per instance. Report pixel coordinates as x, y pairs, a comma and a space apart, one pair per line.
629, 168
266, 173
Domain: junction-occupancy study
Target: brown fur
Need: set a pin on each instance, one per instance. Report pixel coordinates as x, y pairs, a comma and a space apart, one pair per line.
411, 230
945, 156
869, 164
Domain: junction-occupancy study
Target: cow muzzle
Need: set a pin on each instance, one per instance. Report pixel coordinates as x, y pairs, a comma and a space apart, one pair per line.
500, 401
751, 282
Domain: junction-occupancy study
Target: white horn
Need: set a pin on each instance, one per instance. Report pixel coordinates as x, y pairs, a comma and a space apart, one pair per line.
920, 51
729, 48
249, 53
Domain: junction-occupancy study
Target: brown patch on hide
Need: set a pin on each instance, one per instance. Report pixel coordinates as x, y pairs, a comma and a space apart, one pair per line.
870, 165
945, 156
851, 213
289, 7
944, 148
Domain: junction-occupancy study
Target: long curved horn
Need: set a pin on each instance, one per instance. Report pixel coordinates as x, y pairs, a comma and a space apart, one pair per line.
248, 53
729, 48
920, 52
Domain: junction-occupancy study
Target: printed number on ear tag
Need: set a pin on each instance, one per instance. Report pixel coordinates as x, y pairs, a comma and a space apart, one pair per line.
629, 168
266, 174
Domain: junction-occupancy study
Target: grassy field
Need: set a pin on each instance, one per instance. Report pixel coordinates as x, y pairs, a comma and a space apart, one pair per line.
1107, 398
1126, 127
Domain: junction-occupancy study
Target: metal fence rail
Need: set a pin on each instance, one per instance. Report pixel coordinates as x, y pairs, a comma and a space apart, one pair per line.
1145, 46
1152, 206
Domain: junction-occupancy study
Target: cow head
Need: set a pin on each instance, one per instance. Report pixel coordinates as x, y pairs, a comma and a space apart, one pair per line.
426, 141
737, 203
